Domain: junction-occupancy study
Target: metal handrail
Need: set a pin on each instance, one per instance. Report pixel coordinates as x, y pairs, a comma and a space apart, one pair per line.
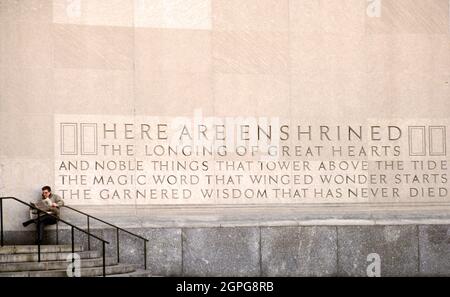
88, 216
39, 211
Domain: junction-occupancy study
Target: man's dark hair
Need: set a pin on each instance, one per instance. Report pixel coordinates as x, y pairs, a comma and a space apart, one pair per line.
46, 188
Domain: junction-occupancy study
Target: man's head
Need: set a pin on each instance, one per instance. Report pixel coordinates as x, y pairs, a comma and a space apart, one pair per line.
46, 191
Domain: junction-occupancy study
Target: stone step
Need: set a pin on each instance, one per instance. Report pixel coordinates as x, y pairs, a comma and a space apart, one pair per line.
18, 258
85, 272
26, 249
137, 273
55, 265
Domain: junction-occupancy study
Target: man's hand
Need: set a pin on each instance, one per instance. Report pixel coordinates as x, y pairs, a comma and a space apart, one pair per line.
54, 205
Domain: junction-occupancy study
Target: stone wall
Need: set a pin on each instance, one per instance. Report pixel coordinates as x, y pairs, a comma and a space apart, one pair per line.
368, 62
93, 63
404, 250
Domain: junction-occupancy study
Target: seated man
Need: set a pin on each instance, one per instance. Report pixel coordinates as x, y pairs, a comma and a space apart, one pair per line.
50, 203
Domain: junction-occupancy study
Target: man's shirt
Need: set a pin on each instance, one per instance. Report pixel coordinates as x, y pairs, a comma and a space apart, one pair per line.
53, 210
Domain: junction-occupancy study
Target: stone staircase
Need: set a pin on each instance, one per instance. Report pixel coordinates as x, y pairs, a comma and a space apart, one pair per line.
22, 261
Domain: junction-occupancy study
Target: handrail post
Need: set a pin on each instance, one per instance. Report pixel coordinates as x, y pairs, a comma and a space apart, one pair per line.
89, 232
145, 254
57, 231
1, 221
118, 253
39, 235
104, 259
73, 249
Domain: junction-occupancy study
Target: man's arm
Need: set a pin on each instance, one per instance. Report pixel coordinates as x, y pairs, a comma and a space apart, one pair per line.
58, 201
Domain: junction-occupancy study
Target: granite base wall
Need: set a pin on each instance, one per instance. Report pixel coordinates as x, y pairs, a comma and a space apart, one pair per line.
404, 250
